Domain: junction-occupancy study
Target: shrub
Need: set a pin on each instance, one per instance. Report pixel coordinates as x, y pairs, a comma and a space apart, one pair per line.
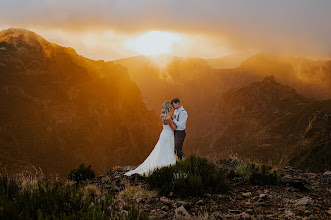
264, 175
134, 192
135, 214
59, 201
8, 186
258, 174
81, 173
190, 177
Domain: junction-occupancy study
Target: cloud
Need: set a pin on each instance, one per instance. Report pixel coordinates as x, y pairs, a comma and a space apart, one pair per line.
282, 26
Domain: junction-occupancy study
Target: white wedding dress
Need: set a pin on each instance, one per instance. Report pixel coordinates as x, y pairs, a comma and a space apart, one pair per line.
162, 154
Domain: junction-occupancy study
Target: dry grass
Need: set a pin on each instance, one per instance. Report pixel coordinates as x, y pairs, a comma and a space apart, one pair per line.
115, 168
91, 190
134, 192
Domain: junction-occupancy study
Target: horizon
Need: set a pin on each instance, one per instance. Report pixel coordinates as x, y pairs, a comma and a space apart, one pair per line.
209, 30
162, 60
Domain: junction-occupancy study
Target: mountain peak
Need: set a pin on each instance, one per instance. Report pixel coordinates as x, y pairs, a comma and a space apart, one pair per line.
25, 40
18, 36
269, 79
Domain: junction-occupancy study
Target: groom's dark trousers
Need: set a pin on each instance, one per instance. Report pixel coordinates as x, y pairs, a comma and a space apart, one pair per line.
179, 140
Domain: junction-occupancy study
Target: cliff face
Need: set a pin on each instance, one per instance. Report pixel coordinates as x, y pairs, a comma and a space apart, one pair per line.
263, 121
314, 150
59, 109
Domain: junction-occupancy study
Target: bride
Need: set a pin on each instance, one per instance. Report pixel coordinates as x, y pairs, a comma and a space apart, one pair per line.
163, 152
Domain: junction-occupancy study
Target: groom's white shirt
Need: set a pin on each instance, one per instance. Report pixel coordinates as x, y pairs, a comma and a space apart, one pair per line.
181, 123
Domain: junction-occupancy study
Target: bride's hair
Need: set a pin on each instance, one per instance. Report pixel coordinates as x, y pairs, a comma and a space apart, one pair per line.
166, 108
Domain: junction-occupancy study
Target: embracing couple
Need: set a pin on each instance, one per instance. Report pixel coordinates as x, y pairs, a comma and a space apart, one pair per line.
169, 147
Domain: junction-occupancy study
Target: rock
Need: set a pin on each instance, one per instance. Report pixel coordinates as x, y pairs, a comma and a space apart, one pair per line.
165, 208
263, 196
151, 200
304, 201
244, 215
327, 173
165, 200
249, 211
180, 203
307, 212
200, 202
247, 194
171, 194
181, 212
329, 211
234, 212
188, 205
139, 200
239, 197
217, 215
288, 213
296, 182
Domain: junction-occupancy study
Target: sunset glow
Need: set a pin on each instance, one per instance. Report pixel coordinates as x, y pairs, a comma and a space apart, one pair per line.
154, 43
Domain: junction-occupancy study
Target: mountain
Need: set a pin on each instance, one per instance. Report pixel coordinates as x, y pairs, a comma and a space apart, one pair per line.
200, 86
60, 109
228, 62
314, 148
266, 121
310, 77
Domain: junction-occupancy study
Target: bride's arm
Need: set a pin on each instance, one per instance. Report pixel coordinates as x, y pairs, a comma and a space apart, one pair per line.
171, 124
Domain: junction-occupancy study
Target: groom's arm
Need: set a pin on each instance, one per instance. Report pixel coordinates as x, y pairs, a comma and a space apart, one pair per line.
183, 119
172, 124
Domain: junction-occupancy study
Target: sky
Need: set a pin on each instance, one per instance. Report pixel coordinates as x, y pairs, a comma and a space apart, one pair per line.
113, 29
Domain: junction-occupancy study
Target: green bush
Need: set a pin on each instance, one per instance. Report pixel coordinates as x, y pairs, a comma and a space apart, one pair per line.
54, 201
81, 173
8, 186
190, 177
58, 201
263, 175
135, 214
258, 174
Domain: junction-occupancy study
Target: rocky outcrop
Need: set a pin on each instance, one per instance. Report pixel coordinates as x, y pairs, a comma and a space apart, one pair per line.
319, 125
298, 195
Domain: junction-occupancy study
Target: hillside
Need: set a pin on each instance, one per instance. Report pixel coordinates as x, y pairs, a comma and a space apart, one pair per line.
60, 109
266, 121
309, 77
254, 192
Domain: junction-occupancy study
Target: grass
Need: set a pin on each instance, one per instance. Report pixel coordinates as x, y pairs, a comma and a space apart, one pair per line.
29, 197
135, 192
254, 173
81, 173
194, 176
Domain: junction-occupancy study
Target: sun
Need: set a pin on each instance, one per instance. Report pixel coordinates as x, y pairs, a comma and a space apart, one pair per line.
154, 43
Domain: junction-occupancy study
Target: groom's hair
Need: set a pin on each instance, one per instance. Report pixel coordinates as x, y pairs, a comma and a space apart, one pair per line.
175, 100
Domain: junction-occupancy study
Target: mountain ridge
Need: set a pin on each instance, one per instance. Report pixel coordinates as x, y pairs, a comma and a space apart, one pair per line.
61, 109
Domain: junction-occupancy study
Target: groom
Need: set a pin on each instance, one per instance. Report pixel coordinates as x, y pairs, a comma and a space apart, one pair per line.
179, 118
